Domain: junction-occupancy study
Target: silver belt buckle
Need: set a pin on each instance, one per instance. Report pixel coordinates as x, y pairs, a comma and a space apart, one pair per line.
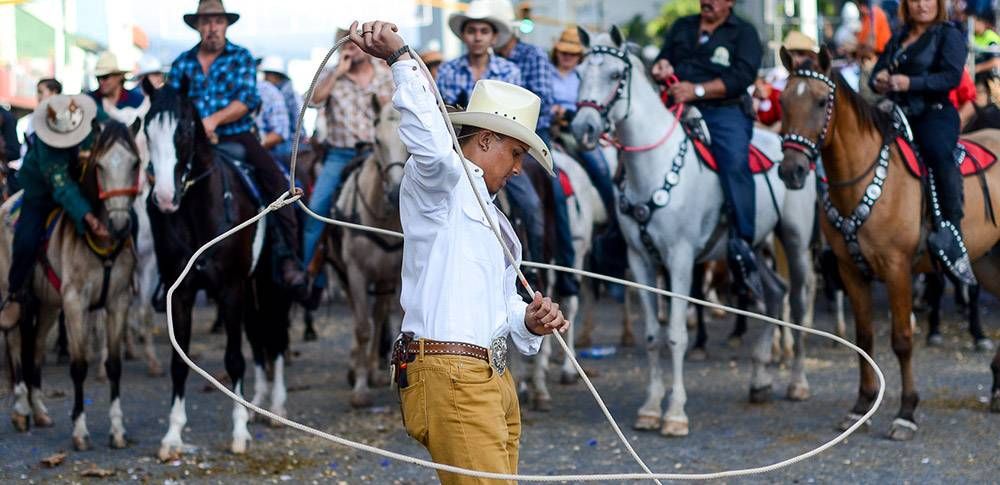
498, 355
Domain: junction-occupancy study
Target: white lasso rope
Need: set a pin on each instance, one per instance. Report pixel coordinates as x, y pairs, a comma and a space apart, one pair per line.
294, 195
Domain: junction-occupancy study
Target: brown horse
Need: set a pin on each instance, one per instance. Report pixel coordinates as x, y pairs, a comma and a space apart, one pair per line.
824, 116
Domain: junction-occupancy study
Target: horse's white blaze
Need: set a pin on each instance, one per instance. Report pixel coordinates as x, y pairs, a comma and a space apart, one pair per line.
80, 426
117, 423
178, 418
241, 435
163, 157
800, 89
37, 405
21, 405
280, 394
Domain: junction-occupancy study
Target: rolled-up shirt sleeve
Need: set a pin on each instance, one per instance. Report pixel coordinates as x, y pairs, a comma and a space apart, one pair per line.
433, 163
526, 342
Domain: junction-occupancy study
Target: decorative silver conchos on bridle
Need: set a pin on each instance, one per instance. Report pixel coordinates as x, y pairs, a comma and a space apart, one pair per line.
797, 142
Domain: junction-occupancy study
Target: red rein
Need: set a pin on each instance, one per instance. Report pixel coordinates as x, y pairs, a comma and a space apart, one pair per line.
676, 110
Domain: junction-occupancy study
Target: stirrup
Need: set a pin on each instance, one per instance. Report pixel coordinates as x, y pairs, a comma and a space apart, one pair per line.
958, 267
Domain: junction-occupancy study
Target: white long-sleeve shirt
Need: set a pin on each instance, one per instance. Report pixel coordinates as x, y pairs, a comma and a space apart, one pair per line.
457, 284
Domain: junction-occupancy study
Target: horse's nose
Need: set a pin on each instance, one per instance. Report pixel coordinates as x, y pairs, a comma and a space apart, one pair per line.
165, 201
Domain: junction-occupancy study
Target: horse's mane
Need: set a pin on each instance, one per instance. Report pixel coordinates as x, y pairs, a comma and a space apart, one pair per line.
112, 132
869, 116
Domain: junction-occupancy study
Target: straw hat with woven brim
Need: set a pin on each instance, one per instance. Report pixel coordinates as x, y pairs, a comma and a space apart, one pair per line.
64, 120
431, 57
483, 11
208, 8
797, 41
569, 41
508, 110
107, 64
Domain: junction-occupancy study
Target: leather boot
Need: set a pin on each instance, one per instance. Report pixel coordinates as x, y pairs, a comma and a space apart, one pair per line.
743, 266
948, 248
294, 278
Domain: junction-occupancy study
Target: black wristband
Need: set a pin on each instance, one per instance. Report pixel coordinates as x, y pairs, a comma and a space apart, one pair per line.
395, 55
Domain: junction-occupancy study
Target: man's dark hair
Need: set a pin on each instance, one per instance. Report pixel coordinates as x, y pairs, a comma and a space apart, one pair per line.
51, 85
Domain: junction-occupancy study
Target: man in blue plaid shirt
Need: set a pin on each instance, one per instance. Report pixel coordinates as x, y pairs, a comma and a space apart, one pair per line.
221, 81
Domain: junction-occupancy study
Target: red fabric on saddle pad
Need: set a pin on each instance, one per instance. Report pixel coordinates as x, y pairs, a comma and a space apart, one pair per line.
759, 162
567, 186
977, 158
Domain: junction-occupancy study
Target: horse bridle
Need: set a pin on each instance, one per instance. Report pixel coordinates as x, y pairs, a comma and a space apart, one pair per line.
624, 83
800, 143
184, 184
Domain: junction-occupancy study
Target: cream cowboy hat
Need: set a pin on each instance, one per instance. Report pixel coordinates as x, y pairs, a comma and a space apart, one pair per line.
209, 7
481, 10
508, 110
64, 120
107, 64
797, 41
272, 64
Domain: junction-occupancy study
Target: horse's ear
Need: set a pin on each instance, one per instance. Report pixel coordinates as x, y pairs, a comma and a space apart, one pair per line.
136, 126
824, 59
616, 36
584, 37
786, 58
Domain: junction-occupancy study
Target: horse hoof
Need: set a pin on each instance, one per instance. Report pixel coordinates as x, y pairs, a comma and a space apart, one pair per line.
169, 453
567, 378
798, 392
697, 354
81, 443
351, 377
239, 446
628, 340
734, 342
361, 400
902, 430
673, 427
647, 423
984, 345
42, 420
760, 395
118, 442
309, 335
995, 405
935, 340
20, 422
542, 404
849, 421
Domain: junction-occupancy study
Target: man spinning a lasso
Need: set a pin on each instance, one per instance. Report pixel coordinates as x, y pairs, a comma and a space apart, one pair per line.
459, 294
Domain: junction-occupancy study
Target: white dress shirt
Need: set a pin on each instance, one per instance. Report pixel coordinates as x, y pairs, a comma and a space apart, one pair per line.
457, 285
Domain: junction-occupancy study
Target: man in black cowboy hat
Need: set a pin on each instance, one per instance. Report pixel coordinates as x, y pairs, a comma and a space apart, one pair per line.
221, 81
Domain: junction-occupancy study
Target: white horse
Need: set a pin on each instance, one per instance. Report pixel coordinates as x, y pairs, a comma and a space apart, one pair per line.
685, 202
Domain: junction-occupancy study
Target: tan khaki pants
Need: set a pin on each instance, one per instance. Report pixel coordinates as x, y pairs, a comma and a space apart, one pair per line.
464, 414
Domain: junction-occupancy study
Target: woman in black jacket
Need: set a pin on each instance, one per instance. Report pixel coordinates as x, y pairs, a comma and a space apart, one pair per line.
923, 62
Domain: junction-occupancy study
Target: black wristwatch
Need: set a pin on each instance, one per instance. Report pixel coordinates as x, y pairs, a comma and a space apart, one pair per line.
395, 55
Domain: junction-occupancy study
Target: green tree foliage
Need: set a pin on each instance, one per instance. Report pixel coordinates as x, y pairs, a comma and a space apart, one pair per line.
670, 12
636, 30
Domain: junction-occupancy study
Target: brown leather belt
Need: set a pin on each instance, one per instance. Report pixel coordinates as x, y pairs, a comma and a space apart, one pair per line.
434, 347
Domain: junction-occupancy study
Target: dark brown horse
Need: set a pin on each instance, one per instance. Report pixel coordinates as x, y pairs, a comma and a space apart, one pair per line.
824, 116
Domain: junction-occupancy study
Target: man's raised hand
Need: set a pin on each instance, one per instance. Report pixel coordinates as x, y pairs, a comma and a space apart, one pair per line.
377, 38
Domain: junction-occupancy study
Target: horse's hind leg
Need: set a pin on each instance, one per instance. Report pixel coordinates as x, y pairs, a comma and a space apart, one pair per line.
899, 284
979, 338
933, 292
231, 301
20, 350
171, 445
362, 346
47, 318
76, 334
115, 317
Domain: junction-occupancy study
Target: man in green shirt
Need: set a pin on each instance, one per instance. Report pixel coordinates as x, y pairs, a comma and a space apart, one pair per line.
62, 127
987, 45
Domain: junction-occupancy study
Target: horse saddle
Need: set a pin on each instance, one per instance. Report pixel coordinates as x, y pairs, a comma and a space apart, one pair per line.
759, 162
235, 155
971, 157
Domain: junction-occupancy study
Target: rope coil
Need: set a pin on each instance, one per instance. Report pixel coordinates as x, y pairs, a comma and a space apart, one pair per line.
294, 195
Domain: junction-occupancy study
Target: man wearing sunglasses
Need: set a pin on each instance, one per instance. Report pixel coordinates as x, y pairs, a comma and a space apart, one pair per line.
111, 92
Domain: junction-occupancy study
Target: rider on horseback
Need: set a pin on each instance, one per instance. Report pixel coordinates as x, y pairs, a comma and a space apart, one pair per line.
716, 56
62, 129
223, 86
923, 62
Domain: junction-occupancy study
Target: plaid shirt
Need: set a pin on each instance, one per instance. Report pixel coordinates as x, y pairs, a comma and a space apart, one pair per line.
536, 76
273, 116
293, 104
231, 77
350, 117
455, 79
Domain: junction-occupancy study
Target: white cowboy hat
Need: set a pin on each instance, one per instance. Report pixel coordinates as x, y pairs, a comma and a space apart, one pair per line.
797, 41
481, 10
209, 7
64, 120
508, 110
148, 65
107, 64
504, 11
272, 64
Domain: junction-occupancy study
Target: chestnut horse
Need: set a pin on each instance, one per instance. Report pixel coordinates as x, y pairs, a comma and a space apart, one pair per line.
823, 116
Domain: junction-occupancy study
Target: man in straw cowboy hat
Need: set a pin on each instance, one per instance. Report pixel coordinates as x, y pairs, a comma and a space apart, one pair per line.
62, 126
220, 78
111, 93
458, 295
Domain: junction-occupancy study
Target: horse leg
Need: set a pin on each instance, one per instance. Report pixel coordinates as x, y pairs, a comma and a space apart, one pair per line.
859, 293
76, 335
899, 284
115, 326
380, 319
568, 373
277, 346
675, 421
98, 321
979, 338
171, 445
735, 339
761, 381
362, 347
47, 318
838, 302
20, 349
649, 413
147, 320
933, 291
231, 300
627, 337
987, 271
698, 352
254, 324
801, 297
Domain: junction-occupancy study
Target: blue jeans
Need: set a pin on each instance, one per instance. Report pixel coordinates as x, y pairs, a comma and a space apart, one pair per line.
731, 130
322, 201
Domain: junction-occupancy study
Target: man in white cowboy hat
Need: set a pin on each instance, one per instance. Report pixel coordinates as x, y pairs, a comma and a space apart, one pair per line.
111, 92
272, 120
62, 126
150, 68
458, 293
220, 78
